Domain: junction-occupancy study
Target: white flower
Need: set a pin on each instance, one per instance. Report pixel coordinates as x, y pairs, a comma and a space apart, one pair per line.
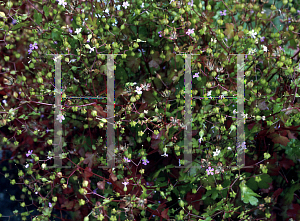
142, 6
165, 154
252, 33
27, 165
245, 115
234, 112
217, 152
146, 111
138, 90
209, 93
251, 51
125, 4
78, 30
265, 48
92, 49
229, 148
213, 40
263, 117
60, 118
62, 2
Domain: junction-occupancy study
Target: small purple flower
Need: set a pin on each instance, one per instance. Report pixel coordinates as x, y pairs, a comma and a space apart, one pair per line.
70, 30
33, 46
196, 75
127, 160
281, 48
200, 139
50, 205
145, 161
159, 34
223, 13
29, 51
262, 39
246, 56
55, 42
210, 171
29, 153
190, 31
14, 21
298, 11
108, 183
71, 19
251, 11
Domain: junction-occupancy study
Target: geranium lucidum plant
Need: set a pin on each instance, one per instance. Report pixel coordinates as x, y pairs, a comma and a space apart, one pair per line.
149, 38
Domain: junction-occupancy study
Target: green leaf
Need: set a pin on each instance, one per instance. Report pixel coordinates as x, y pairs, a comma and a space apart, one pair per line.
38, 18
247, 195
34, 113
46, 10
144, 195
214, 195
20, 25
278, 107
265, 180
289, 196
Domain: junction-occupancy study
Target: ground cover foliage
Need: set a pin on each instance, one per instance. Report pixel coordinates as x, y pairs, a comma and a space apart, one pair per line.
149, 109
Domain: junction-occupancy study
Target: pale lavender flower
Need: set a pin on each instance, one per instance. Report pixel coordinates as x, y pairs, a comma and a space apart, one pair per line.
50, 205
70, 30
191, 3
200, 139
223, 13
127, 160
210, 171
60, 118
14, 21
159, 34
145, 161
29, 153
196, 75
125, 183
125, 4
138, 90
33, 46
262, 39
190, 31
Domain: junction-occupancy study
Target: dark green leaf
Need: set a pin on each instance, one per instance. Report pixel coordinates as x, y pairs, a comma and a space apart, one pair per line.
46, 10
20, 25
38, 18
